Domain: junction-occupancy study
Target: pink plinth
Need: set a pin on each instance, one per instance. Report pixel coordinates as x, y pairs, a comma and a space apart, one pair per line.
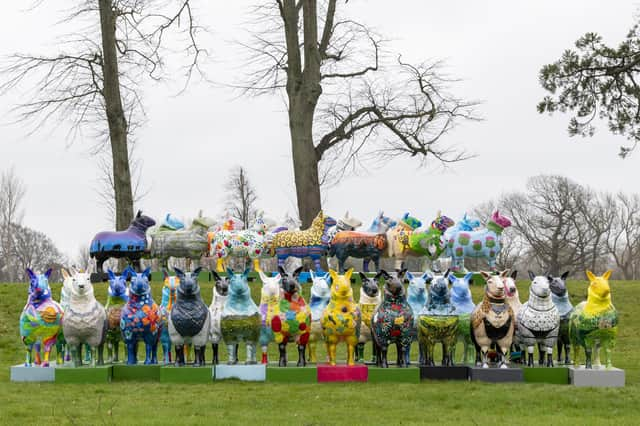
342, 373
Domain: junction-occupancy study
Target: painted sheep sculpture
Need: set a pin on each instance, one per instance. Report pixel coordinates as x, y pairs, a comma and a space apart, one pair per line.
560, 297
438, 322
140, 319
312, 242
370, 299
480, 243
318, 302
41, 318
292, 323
493, 321
417, 298
341, 319
169, 296
538, 320
130, 243
85, 320
462, 301
117, 297
270, 295
593, 324
513, 299
189, 319
220, 295
392, 322
240, 320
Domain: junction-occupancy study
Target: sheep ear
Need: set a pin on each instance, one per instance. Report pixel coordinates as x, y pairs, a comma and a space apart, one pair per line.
452, 278
469, 277
215, 276
297, 272
278, 277
147, 273
282, 271
48, 273
532, 276
486, 275
504, 274
263, 277
333, 274
363, 277
607, 274
196, 272
514, 274
347, 274
245, 274
229, 272
128, 272
385, 275
32, 276
565, 276
65, 274
112, 276
409, 276
179, 272
591, 276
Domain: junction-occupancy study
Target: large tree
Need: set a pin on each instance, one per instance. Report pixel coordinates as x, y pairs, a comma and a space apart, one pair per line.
562, 224
241, 197
597, 81
346, 100
94, 82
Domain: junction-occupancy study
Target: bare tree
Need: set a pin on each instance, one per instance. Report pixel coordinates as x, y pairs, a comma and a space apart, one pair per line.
30, 249
241, 197
12, 192
347, 101
95, 82
550, 218
623, 237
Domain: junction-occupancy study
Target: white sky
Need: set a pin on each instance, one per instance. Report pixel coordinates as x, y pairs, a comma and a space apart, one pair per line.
190, 142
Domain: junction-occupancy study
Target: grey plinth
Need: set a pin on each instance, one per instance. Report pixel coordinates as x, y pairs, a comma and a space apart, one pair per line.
496, 375
254, 373
597, 377
20, 373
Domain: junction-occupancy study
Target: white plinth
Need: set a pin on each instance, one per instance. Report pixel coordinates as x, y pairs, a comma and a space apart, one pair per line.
597, 377
254, 373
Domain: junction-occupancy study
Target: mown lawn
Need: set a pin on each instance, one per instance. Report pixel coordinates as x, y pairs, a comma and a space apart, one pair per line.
265, 403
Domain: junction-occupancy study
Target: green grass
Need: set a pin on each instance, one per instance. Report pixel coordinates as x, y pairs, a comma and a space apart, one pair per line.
270, 403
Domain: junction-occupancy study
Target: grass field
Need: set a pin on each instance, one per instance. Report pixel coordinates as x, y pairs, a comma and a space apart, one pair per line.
320, 404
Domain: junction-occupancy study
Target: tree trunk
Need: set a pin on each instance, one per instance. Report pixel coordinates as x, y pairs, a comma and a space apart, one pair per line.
115, 118
305, 164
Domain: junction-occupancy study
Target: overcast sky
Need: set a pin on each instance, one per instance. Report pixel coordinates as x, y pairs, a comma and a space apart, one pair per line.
190, 142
